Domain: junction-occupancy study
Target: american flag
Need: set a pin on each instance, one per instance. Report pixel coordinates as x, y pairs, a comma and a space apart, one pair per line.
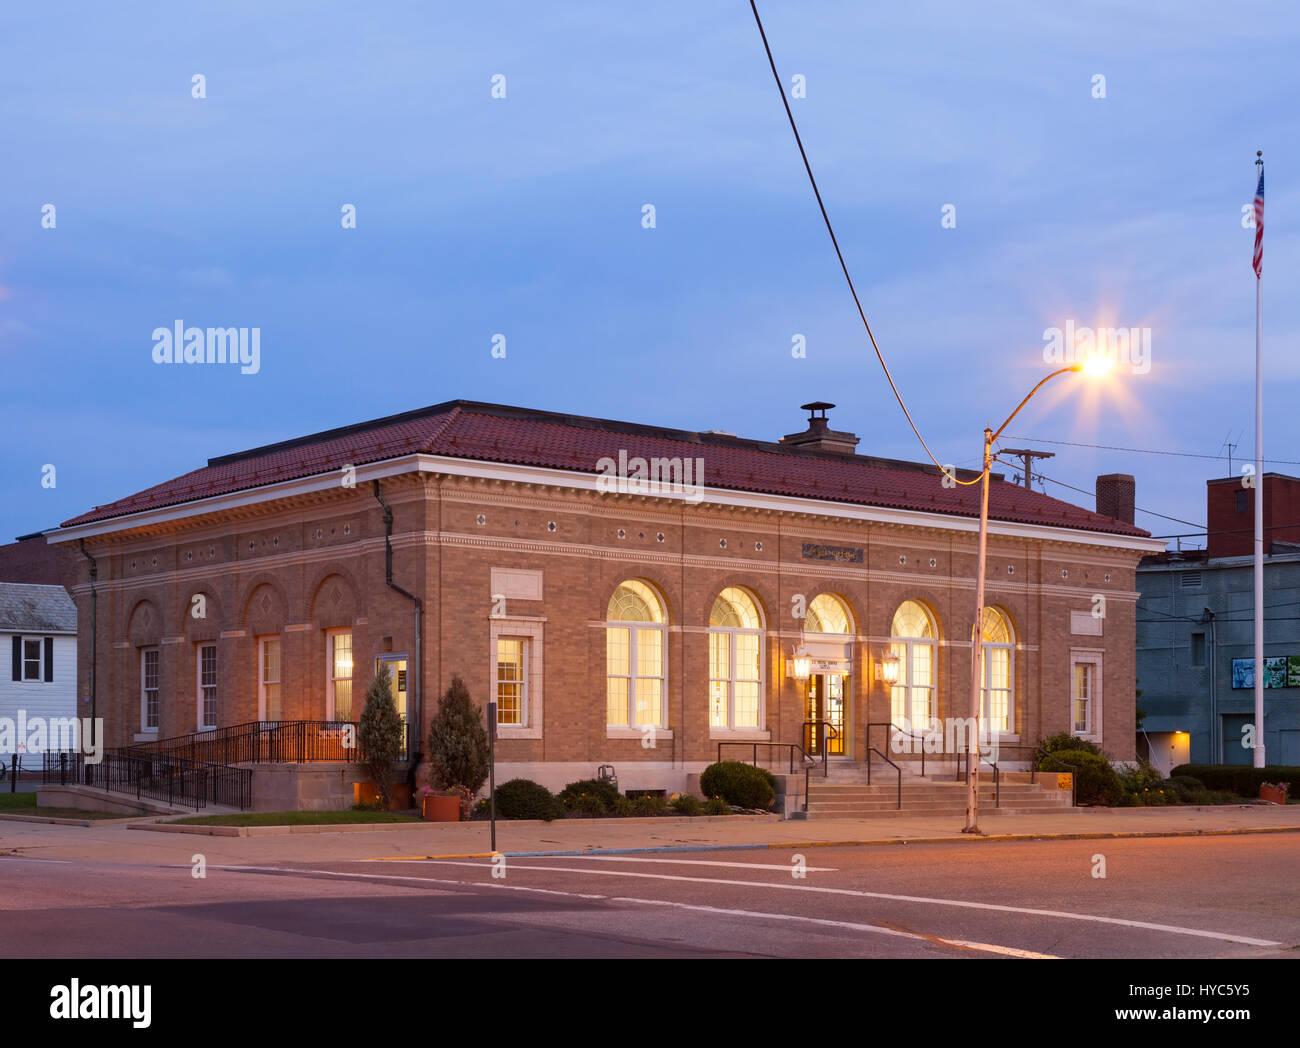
1259, 224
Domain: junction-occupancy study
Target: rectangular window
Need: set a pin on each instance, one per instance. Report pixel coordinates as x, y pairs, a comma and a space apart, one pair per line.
997, 687
618, 673
1242, 503
31, 659
207, 686
511, 687
269, 684
340, 679
149, 689
1083, 691
746, 685
719, 676
1198, 649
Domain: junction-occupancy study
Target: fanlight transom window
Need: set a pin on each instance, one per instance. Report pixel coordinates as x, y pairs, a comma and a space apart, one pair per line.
635, 657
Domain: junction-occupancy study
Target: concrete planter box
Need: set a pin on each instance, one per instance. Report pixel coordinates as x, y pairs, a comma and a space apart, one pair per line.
1273, 794
441, 808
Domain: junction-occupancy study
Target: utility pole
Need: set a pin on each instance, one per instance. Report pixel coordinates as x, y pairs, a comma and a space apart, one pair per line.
1027, 457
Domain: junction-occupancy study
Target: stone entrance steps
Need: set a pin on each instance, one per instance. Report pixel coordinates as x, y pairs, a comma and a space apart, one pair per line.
840, 800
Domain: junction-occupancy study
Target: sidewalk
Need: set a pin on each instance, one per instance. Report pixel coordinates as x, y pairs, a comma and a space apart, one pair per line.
121, 843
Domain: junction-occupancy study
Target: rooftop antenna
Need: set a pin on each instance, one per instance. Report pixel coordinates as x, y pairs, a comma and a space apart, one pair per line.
1227, 443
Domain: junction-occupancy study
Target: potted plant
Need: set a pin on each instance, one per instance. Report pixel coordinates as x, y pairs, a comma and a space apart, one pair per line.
1274, 793
439, 805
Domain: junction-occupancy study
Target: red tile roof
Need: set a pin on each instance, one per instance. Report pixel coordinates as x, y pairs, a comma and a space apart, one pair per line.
494, 433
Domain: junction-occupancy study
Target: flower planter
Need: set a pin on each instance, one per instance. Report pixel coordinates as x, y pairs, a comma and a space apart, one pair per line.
441, 809
1272, 794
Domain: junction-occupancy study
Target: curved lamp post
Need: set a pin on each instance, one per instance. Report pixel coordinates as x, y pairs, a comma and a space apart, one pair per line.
1097, 365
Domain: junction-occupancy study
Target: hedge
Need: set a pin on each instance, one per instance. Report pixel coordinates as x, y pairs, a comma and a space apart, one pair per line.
605, 793
744, 785
525, 799
1096, 782
1241, 779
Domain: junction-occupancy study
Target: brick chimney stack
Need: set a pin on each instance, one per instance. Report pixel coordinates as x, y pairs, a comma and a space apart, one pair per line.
1115, 495
819, 436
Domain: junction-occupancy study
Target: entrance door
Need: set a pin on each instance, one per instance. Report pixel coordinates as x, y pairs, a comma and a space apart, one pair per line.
396, 665
826, 702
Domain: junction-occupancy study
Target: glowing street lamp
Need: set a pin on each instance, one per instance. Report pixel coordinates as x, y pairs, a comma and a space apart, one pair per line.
889, 669
1096, 365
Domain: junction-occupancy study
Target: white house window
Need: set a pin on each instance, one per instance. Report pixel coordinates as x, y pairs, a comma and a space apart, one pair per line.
999, 646
1084, 689
635, 638
735, 661
512, 681
149, 689
339, 697
207, 666
912, 640
268, 690
31, 659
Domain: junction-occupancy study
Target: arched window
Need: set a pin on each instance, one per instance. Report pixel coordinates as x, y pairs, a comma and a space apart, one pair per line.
735, 661
826, 614
634, 657
912, 637
999, 643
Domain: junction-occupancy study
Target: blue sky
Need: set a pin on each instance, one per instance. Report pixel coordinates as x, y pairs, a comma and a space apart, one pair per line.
522, 216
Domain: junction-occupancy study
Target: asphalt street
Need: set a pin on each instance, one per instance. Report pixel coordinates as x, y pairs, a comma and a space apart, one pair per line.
1203, 897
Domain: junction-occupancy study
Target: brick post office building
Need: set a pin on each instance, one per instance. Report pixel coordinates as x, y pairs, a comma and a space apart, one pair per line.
629, 595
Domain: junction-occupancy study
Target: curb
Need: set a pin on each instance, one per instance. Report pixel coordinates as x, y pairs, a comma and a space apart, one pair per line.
787, 845
56, 821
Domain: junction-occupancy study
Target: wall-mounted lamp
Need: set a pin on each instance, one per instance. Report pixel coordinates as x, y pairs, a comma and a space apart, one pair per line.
799, 665
887, 669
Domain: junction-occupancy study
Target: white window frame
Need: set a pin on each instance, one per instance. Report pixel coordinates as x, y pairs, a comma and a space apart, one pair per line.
986, 665
909, 644
524, 645
262, 682
731, 680
632, 730
331, 713
529, 629
199, 685
40, 659
144, 690
1090, 657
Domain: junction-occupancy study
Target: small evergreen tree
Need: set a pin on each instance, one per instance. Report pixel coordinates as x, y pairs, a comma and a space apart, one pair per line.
458, 742
379, 735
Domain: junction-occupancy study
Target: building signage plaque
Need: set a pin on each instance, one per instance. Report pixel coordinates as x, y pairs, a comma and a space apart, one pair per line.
841, 554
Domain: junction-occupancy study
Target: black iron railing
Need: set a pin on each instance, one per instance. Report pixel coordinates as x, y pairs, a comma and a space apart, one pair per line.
806, 761
963, 762
897, 771
262, 742
818, 741
176, 780
887, 725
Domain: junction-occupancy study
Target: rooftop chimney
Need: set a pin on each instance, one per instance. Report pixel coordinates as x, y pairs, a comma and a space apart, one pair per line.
819, 436
1115, 494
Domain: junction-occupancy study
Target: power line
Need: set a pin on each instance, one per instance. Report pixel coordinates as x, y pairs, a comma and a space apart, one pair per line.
1084, 491
1144, 451
840, 255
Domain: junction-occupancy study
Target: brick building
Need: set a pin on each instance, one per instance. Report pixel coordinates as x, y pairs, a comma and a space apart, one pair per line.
628, 594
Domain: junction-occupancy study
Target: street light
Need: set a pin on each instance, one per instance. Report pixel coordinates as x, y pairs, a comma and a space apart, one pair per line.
1095, 365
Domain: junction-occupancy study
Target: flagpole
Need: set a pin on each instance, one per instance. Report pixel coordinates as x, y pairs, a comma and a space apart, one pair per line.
1258, 751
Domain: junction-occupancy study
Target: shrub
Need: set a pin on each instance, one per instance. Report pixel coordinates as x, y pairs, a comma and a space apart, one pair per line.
1096, 782
1187, 789
1240, 779
525, 799
650, 804
604, 792
744, 785
1135, 780
686, 804
379, 736
1063, 740
716, 806
623, 807
458, 744
586, 804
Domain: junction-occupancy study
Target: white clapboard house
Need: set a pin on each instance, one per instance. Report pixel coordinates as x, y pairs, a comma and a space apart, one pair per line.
38, 625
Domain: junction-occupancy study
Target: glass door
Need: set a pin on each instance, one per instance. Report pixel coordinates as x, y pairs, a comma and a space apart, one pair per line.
825, 715
396, 666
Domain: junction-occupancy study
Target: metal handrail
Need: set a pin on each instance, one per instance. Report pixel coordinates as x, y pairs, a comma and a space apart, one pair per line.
822, 739
897, 770
963, 759
901, 731
808, 762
